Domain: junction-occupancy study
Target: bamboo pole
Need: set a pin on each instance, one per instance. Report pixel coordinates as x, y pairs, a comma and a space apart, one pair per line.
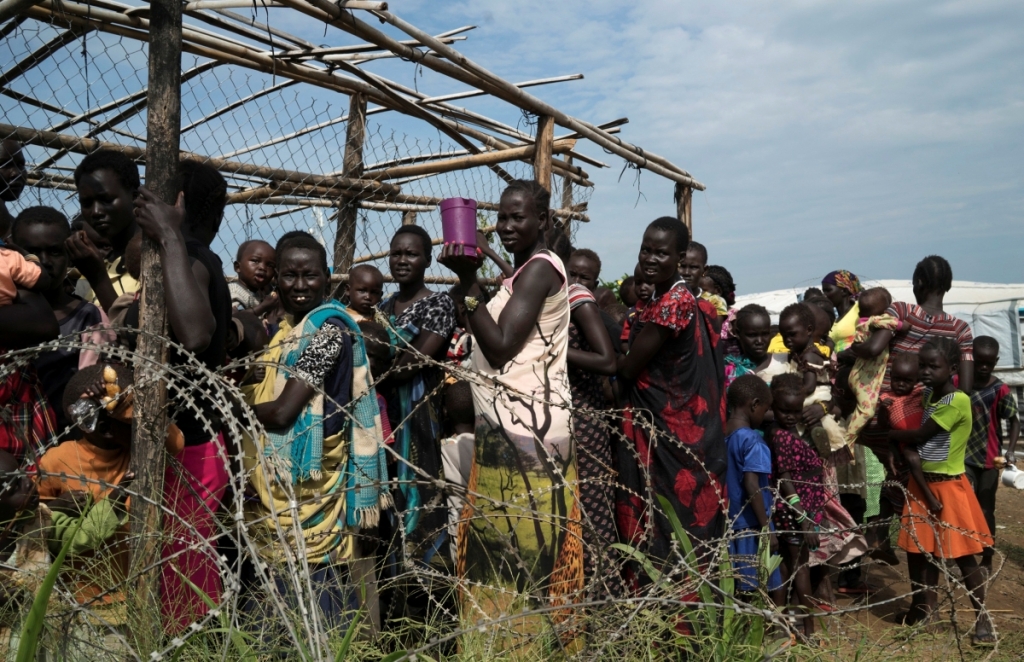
348, 213
454, 65
466, 162
684, 206
355, 187
149, 428
543, 148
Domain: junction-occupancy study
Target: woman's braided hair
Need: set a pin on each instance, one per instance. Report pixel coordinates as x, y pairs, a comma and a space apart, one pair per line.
946, 347
934, 274
540, 195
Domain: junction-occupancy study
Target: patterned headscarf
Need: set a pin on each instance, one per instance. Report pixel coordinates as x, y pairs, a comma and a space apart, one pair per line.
844, 280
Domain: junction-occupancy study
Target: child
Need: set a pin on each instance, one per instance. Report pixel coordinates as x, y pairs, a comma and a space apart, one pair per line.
627, 291
365, 290
796, 325
867, 375
256, 267
43, 231
457, 451
748, 479
88, 468
631, 327
991, 404
692, 266
797, 470
17, 270
718, 287
378, 353
956, 528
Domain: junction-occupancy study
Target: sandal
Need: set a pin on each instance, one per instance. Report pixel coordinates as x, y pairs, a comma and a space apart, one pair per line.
859, 589
985, 640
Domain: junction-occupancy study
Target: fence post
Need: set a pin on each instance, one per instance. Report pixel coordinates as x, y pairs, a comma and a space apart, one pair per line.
348, 213
542, 155
684, 206
149, 428
409, 218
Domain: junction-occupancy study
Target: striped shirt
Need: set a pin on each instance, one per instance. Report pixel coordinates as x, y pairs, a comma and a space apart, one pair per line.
579, 295
944, 452
990, 406
919, 327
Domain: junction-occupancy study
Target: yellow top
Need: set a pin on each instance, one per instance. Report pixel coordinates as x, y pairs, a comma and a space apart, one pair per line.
844, 330
776, 346
120, 278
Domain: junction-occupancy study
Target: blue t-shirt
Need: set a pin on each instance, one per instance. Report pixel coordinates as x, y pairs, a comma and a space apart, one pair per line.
747, 452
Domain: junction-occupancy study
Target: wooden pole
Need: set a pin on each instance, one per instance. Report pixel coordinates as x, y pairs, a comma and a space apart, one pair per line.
409, 218
564, 224
543, 150
472, 161
149, 428
348, 213
684, 206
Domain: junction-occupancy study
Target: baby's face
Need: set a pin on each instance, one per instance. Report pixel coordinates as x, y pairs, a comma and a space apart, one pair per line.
903, 378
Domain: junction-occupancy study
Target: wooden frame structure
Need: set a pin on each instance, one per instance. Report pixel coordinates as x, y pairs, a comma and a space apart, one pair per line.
210, 29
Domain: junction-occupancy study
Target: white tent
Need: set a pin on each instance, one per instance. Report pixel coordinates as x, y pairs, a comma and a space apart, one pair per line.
992, 309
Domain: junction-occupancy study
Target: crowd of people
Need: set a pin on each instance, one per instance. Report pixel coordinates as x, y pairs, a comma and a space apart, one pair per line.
503, 433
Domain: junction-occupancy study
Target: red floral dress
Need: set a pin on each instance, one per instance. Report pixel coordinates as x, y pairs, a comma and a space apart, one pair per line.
678, 396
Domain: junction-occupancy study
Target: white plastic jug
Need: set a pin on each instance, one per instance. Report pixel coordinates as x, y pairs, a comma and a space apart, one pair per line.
1012, 477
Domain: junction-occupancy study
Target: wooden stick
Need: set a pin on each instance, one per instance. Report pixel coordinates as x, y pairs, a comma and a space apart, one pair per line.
87, 145
461, 163
684, 206
543, 149
149, 424
348, 212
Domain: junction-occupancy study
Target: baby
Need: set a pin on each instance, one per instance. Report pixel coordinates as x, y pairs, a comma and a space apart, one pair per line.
644, 291
17, 270
796, 326
256, 266
867, 375
365, 290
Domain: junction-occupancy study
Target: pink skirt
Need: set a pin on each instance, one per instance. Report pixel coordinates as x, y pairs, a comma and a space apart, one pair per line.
194, 484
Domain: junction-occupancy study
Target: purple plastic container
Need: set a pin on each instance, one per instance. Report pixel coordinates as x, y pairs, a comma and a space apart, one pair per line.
458, 222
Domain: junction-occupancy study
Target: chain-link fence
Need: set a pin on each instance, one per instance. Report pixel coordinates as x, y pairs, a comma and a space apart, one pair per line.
293, 158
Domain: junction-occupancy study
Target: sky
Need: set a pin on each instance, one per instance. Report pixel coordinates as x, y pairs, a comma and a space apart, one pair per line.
861, 136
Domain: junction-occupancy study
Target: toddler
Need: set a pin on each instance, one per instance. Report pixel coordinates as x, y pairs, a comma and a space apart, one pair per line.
796, 325
718, 287
748, 479
256, 267
365, 290
867, 375
457, 452
644, 291
17, 270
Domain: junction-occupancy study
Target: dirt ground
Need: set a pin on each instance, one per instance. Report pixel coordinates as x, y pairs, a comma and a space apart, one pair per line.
871, 634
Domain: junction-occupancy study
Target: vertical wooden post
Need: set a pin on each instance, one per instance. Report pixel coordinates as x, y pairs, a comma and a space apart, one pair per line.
542, 156
149, 428
348, 213
684, 206
564, 224
409, 218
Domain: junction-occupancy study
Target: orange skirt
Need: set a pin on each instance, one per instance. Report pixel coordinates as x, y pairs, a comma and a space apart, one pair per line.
959, 530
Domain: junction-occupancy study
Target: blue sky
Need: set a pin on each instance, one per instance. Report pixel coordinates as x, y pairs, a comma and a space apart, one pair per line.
830, 135
860, 135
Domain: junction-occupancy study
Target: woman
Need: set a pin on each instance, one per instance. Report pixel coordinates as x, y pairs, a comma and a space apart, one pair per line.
591, 357
311, 471
422, 322
920, 322
842, 288
676, 407
525, 526
198, 317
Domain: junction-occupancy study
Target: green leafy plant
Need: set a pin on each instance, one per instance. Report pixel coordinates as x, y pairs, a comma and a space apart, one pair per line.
721, 628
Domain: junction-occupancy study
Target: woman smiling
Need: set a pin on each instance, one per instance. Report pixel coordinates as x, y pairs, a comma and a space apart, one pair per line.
319, 469
676, 409
526, 528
